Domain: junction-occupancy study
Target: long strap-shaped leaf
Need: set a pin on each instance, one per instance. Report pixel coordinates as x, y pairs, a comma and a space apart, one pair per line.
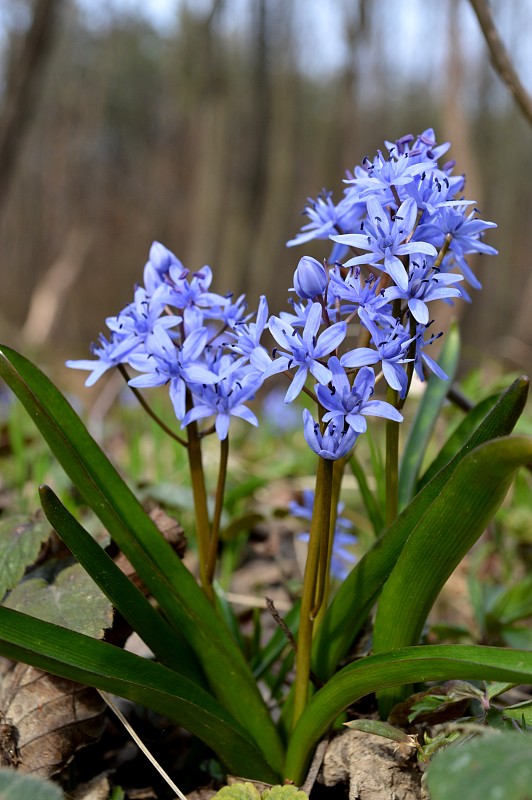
162, 572
155, 632
459, 437
408, 665
355, 597
447, 530
95, 663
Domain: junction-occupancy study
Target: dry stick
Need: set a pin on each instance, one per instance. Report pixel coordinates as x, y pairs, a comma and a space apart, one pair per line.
140, 744
500, 58
270, 605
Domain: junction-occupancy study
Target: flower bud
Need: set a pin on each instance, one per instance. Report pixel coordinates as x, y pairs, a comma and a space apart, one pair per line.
310, 278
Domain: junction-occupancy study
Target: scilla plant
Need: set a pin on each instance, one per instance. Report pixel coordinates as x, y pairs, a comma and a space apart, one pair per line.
360, 322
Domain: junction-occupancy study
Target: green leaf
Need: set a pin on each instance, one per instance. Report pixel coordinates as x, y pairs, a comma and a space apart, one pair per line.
522, 712
400, 667
155, 632
95, 663
14, 785
356, 595
459, 437
513, 603
287, 792
379, 728
425, 420
238, 791
450, 526
498, 687
21, 538
73, 601
495, 767
169, 581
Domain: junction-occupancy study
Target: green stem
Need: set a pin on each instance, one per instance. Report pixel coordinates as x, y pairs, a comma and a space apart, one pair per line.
149, 410
392, 462
212, 553
201, 512
338, 474
319, 524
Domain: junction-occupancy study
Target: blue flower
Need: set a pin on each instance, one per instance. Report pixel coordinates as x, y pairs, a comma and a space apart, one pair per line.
352, 403
182, 293
424, 285
226, 398
304, 349
382, 173
359, 293
466, 232
385, 240
158, 266
109, 353
246, 335
423, 359
326, 218
178, 365
137, 320
310, 278
335, 442
392, 349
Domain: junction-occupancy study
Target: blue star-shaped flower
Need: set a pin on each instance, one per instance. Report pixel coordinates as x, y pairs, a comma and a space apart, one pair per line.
352, 403
304, 349
385, 240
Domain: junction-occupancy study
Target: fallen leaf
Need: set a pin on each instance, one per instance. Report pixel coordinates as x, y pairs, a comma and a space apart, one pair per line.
49, 718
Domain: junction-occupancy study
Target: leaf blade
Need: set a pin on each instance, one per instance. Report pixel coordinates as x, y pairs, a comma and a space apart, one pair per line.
95, 663
395, 668
124, 595
162, 572
355, 597
450, 526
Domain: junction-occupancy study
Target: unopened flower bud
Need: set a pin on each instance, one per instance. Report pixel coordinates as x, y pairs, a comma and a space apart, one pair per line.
310, 278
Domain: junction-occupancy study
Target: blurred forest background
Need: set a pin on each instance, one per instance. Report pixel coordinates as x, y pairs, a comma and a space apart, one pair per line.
209, 130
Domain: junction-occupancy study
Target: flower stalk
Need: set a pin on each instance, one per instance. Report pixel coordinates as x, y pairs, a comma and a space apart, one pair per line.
313, 583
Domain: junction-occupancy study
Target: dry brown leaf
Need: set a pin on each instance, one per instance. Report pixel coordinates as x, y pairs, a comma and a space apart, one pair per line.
171, 531
45, 720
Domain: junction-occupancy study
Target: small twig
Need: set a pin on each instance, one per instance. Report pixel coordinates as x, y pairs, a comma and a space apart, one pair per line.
315, 767
140, 744
254, 602
290, 636
500, 58
281, 623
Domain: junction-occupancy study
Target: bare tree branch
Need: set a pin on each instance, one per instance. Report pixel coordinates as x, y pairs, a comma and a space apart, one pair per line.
23, 91
500, 58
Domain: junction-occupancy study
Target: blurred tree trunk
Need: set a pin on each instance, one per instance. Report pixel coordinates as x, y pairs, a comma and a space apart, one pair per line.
25, 79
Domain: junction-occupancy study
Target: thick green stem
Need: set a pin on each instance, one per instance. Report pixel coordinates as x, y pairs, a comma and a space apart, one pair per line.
212, 553
317, 541
201, 512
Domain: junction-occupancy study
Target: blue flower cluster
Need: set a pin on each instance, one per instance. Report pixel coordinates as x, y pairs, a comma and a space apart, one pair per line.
400, 235
178, 333
402, 232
